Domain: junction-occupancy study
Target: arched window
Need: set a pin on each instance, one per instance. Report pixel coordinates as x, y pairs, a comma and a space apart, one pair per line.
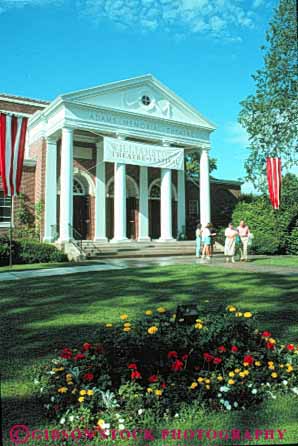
78, 188
132, 189
154, 190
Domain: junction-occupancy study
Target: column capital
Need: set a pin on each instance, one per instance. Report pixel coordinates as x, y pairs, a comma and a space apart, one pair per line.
51, 140
67, 129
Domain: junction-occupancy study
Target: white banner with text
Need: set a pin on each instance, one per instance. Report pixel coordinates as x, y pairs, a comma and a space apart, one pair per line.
139, 154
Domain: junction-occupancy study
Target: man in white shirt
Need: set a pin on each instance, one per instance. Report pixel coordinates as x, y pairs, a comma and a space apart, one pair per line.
243, 231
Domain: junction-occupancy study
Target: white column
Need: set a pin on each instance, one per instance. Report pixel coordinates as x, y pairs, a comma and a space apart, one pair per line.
166, 206
119, 203
100, 196
205, 214
143, 206
50, 191
66, 185
181, 201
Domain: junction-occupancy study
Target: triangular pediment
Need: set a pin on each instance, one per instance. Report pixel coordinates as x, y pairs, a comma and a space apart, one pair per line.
142, 95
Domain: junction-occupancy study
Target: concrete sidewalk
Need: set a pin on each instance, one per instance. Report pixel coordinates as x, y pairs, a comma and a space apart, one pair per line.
132, 263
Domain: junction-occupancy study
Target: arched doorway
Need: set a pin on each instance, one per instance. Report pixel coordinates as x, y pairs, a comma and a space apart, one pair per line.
154, 209
81, 208
132, 208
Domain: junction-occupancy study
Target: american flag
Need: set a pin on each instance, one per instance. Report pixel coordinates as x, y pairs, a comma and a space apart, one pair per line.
274, 180
12, 147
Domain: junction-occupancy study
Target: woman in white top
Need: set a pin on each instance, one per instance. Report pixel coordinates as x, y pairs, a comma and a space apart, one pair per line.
206, 239
230, 243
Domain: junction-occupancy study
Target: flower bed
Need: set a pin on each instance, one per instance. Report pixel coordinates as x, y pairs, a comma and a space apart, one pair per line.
158, 365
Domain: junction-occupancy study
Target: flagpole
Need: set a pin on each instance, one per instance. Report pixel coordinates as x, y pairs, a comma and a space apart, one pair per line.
10, 233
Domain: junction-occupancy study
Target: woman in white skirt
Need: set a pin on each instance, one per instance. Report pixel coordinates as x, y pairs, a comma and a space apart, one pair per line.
230, 243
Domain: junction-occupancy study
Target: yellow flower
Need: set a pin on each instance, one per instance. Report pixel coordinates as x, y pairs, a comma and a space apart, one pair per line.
126, 329
290, 368
152, 330
148, 312
199, 320
238, 314
81, 399
127, 324
109, 325
231, 374
90, 392
281, 366
231, 381
237, 370
198, 325
83, 392
207, 381
124, 316
246, 364
74, 391
69, 383
158, 392
242, 374
231, 308
274, 375
207, 386
60, 369
193, 385
149, 390
68, 376
246, 372
272, 341
62, 390
271, 367
219, 378
258, 363
200, 379
101, 423
161, 310
247, 314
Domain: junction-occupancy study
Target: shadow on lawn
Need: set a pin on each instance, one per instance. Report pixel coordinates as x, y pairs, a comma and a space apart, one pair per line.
42, 315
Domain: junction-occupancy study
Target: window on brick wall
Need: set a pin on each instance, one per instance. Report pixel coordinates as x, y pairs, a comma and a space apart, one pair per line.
193, 208
5, 210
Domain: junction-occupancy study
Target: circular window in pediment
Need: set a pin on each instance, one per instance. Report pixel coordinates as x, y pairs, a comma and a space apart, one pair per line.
146, 100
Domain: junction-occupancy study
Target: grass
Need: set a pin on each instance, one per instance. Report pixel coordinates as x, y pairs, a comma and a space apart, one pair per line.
39, 316
290, 261
35, 266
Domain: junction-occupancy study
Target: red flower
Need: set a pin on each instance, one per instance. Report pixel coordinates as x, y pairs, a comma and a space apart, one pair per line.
270, 345
135, 375
163, 385
184, 357
86, 346
217, 360
88, 376
290, 347
177, 366
132, 366
234, 348
248, 359
153, 378
222, 349
66, 353
79, 356
208, 357
266, 334
172, 354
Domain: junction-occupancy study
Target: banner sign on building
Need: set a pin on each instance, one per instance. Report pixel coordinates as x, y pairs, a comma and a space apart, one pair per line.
139, 154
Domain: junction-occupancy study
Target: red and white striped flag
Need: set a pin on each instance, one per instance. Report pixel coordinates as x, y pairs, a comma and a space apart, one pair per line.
12, 147
274, 180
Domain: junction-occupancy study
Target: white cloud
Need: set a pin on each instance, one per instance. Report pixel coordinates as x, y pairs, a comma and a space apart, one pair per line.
217, 18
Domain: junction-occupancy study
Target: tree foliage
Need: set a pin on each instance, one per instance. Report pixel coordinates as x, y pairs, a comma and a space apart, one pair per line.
192, 164
270, 115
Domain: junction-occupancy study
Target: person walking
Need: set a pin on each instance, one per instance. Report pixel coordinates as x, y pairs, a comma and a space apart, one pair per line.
213, 235
198, 240
244, 232
230, 243
206, 239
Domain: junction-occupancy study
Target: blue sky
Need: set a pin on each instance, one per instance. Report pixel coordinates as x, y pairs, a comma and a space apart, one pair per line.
204, 50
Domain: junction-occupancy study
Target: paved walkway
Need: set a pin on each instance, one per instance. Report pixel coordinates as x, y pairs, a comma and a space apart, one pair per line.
116, 264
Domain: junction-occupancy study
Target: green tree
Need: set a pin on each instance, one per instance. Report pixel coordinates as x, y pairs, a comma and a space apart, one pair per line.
192, 164
270, 115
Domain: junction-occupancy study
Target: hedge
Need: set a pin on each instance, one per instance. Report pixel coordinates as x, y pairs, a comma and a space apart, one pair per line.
28, 251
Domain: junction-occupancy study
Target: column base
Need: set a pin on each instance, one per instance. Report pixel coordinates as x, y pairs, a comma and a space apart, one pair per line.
166, 240
122, 240
101, 240
144, 239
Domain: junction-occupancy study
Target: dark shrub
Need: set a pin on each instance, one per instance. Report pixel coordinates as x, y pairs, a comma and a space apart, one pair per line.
35, 252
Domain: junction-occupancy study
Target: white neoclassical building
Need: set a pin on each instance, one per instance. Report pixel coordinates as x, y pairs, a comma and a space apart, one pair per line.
110, 162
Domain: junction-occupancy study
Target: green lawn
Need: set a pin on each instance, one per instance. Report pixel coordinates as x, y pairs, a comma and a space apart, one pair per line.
290, 261
34, 266
39, 316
